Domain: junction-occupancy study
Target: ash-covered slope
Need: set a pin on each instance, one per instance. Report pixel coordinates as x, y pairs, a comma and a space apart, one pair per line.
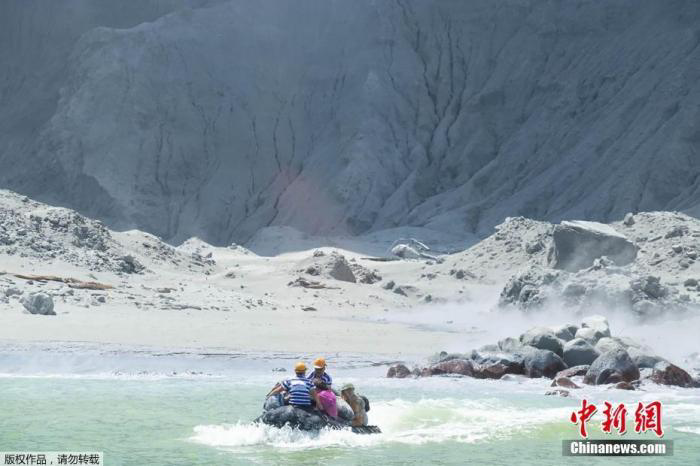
341, 117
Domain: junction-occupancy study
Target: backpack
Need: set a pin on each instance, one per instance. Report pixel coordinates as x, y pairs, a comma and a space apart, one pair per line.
366, 402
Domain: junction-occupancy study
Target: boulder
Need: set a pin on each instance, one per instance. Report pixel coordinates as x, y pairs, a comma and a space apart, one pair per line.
509, 344
445, 356
603, 369
398, 371
579, 352
591, 335
564, 382
39, 303
541, 363
649, 287
606, 344
565, 332
624, 386
577, 244
338, 267
494, 365
453, 366
524, 289
129, 264
598, 323
542, 338
12, 291
643, 359
573, 371
665, 373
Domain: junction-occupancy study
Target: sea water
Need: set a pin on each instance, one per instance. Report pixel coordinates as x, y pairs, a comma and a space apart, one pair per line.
184, 408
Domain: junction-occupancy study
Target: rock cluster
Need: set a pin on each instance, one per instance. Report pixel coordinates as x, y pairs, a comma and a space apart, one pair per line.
646, 264
563, 353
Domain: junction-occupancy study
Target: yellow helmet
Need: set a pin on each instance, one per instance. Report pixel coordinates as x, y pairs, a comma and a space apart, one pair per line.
319, 363
300, 367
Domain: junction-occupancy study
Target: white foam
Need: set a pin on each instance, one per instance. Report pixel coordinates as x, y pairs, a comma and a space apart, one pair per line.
401, 421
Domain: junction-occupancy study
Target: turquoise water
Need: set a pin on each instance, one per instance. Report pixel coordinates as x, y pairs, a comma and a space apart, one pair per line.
165, 419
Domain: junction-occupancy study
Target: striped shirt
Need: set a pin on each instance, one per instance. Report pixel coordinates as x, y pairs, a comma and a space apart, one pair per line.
325, 378
299, 389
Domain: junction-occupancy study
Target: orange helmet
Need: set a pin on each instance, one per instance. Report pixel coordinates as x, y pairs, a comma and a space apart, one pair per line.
300, 367
320, 363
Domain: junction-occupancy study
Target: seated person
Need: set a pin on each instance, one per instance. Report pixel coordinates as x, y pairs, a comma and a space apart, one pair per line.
325, 399
356, 403
300, 391
320, 373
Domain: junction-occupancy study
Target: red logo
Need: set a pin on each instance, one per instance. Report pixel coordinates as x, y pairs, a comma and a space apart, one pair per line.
646, 418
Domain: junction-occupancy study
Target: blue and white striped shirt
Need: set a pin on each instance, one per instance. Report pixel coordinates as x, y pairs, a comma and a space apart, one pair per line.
325, 378
299, 389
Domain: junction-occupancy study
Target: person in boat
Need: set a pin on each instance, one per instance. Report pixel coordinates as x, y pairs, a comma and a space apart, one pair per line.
357, 404
319, 373
325, 399
300, 391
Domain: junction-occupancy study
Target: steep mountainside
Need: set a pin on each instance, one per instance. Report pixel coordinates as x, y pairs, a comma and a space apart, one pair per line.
217, 118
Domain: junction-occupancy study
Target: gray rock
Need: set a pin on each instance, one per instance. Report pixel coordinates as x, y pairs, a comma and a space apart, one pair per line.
690, 283
558, 392
339, 268
618, 362
579, 352
39, 303
495, 364
591, 335
509, 344
578, 244
649, 287
541, 363
398, 371
598, 323
606, 344
129, 264
628, 220
524, 289
677, 231
643, 359
565, 332
12, 291
542, 338
454, 366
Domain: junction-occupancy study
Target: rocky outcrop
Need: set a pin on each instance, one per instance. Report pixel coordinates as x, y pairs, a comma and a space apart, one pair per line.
578, 244
609, 363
